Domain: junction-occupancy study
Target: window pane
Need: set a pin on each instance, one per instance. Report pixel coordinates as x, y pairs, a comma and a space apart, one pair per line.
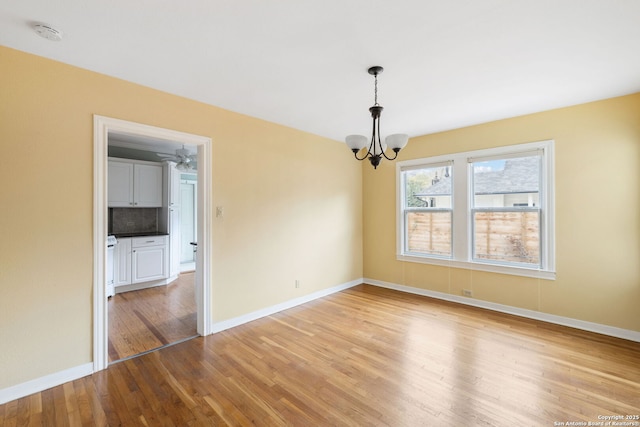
428, 187
429, 232
507, 183
507, 236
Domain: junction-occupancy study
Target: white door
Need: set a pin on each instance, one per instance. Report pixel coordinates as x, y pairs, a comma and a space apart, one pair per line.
187, 220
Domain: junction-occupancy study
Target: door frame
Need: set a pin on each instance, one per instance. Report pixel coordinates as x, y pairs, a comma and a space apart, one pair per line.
101, 128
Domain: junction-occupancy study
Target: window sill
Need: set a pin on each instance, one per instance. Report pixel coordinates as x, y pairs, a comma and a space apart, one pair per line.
476, 266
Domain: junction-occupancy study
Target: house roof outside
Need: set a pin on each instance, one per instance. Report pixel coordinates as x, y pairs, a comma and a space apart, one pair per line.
520, 175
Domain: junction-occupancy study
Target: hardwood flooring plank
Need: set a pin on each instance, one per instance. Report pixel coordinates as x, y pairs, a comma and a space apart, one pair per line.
147, 319
10, 412
151, 328
364, 356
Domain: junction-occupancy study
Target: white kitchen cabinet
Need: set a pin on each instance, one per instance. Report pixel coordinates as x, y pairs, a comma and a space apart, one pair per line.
122, 262
134, 184
172, 183
120, 184
147, 185
149, 258
138, 260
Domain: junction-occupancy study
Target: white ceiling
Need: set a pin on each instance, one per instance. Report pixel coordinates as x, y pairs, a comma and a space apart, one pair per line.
303, 63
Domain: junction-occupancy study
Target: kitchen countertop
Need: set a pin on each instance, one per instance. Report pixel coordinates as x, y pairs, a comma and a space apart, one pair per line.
143, 234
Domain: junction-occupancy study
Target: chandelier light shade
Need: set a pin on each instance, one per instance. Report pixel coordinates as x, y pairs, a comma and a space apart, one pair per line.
375, 147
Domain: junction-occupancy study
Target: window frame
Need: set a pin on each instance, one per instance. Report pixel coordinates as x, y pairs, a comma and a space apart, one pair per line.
462, 206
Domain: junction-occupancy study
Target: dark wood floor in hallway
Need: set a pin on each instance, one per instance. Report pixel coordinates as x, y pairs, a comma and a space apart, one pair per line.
364, 356
144, 320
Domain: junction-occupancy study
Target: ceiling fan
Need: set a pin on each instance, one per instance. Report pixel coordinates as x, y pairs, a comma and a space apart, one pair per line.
185, 161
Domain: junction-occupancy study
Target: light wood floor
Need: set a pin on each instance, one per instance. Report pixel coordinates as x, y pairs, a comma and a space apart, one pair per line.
364, 356
143, 320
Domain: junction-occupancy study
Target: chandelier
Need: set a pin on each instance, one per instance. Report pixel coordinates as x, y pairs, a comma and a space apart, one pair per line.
377, 148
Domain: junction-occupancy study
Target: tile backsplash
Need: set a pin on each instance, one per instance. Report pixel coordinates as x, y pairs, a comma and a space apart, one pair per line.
133, 220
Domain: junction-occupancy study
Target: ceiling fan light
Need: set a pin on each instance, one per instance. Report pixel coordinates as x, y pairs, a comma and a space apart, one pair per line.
183, 167
397, 141
356, 142
183, 152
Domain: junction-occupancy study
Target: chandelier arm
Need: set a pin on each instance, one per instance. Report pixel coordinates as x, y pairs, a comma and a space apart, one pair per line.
363, 157
380, 143
391, 158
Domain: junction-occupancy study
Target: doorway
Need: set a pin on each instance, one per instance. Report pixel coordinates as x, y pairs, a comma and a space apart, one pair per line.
103, 126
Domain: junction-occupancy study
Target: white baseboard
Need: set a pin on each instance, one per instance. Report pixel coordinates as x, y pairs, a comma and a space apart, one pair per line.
237, 321
522, 312
43, 383
187, 267
144, 285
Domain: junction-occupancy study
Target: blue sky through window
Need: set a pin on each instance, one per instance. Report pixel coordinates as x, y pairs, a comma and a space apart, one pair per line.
488, 166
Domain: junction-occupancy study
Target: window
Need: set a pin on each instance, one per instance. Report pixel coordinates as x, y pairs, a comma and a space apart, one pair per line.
427, 210
506, 210
490, 210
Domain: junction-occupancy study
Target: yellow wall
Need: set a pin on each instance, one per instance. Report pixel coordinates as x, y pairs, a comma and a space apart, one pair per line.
287, 215
597, 214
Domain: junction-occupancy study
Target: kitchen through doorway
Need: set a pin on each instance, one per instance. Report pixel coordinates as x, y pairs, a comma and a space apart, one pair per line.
155, 302
152, 303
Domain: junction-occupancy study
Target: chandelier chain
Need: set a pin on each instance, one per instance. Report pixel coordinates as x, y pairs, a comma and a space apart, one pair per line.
375, 91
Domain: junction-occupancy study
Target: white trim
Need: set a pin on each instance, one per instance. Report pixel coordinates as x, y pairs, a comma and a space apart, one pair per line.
100, 313
409, 165
204, 238
101, 128
598, 328
43, 383
505, 154
144, 285
478, 266
249, 317
187, 267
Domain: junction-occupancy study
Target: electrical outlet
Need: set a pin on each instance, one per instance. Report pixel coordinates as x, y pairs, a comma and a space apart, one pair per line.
297, 283
467, 293
131, 224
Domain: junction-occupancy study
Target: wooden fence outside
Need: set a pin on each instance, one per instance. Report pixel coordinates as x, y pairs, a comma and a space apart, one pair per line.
500, 236
508, 236
429, 232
